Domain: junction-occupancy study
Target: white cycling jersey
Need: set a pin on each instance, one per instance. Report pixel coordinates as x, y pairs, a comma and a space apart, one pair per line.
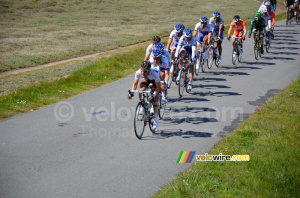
207, 28
216, 25
262, 7
153, 75
268, 21
173, 35
185, 43
165, 63
150, 50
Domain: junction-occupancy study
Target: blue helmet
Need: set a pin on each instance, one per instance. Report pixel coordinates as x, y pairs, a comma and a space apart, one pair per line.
203, 19
188, 32
159, 46
156, 53
217, 14
179, 28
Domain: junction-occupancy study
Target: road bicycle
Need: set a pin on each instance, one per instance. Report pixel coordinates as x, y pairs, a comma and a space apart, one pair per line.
200, 63
236, 51
213, 53
268, 41
184, 74
144, 113
257, 45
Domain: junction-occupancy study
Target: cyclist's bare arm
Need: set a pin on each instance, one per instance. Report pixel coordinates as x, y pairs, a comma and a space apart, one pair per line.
147, 57
169, 43
229, 31
134, 86
158, 86
194, 33
244, 30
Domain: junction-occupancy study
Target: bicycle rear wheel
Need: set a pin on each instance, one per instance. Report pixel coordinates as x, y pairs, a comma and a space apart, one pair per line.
197, 66
186, 79
139, 120
181, 82
234, 54
267, 45
202, 64
161, 109
256, 50
210, 57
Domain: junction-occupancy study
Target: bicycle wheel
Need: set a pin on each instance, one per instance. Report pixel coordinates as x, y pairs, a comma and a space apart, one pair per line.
234, 54
216, 57
197, 66
267, 45
171, 74
181, 82
202, 64
139, 120
259, 49
186, 79
256, 49
161, 108
210, 57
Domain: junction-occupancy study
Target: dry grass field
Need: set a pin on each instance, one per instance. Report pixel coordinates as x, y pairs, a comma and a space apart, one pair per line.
34, 32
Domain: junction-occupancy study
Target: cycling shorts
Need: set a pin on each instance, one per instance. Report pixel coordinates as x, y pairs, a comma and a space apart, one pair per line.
237, 33
258, 28
216, 33
201, 36
175, 45
187, 49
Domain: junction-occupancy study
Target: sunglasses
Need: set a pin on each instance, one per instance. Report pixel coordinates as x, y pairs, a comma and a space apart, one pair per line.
217, 18
203, 22
145, 71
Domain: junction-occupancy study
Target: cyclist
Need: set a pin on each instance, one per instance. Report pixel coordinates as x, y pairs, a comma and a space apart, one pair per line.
204, 34
296, 5
217, 24
240, 30
155, 39
267, 19
148, 76
289, 4
258, 24
186, 44
174, 38
161, 63
267, 5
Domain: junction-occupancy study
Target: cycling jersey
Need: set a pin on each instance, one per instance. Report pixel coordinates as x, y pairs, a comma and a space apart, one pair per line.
173, 35
267, 20
258, 25
207, 28
216, 26
289, 3
150, 49
153, 75
163, 65
186, 45
238, 27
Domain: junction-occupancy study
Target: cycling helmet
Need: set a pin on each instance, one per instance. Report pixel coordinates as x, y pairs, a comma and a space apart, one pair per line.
258, 14
236, 18
267, 3
156, 53
179, 28
264, 10
145, 65
217, 14
188, 33
160, 46
203, 19
155, 39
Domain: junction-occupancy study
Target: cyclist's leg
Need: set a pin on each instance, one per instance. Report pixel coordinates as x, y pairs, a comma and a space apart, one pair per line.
205, 40
235, 34
173, 50
199, 40
219, 43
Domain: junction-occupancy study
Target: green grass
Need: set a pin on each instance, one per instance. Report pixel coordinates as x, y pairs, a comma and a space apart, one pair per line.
34, 32
271, 136
105, 71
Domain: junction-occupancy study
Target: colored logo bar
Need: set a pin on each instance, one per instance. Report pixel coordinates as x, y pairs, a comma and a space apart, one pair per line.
189, 158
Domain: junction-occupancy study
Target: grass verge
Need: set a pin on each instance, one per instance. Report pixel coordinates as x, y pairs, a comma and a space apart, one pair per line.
271, 137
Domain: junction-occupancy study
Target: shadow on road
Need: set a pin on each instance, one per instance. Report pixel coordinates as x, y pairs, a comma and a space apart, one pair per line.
284, 43
259, 63
204, 79
289, 48
214, 86
279, 58
229, 73
284, 53
167, 133
241, 67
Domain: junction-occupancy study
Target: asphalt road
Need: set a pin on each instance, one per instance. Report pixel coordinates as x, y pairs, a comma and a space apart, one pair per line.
96, 154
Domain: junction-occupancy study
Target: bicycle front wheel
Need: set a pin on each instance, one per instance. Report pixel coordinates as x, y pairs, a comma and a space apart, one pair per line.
197, 65
210, 57
181, 82
256, 50
202, 65
186, 79
139, 120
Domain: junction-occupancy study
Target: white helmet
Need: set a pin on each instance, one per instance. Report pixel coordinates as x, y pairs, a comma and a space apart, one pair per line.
267, 3
264, 10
